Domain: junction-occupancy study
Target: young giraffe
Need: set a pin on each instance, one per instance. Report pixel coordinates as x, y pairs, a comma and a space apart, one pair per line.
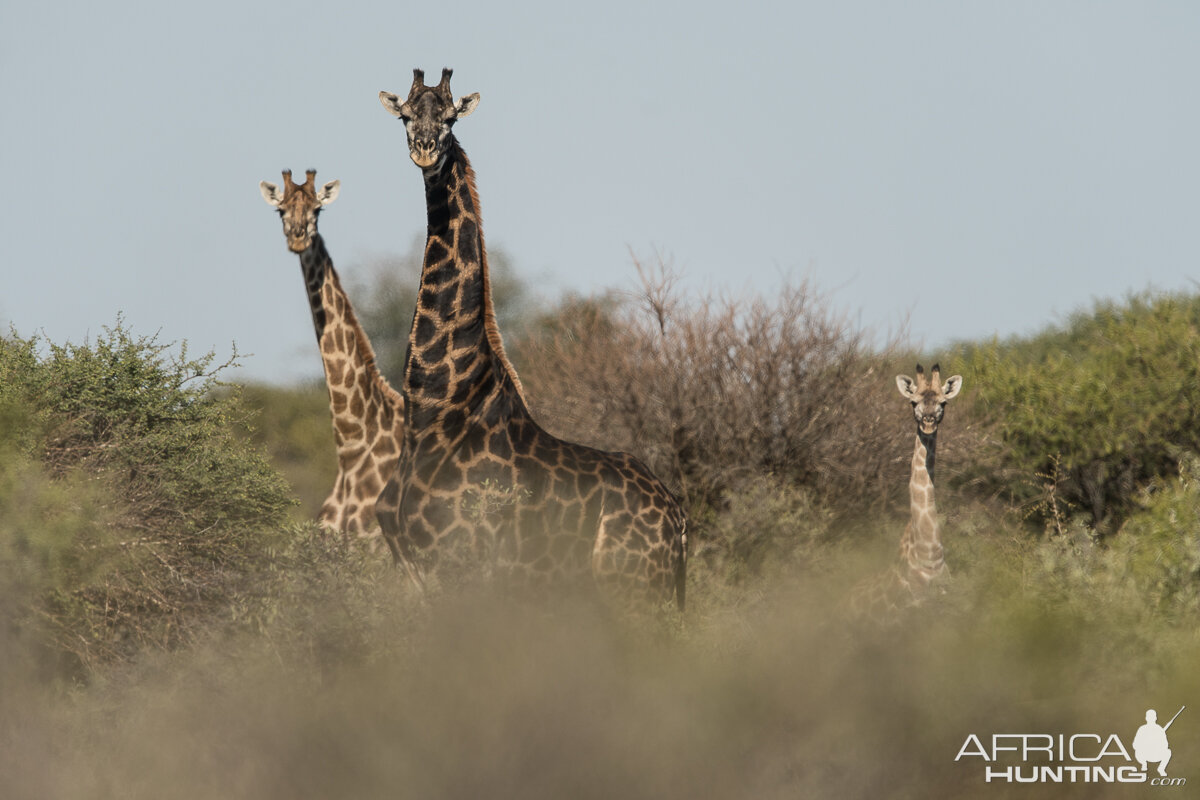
921, 561
368, 414
562, 510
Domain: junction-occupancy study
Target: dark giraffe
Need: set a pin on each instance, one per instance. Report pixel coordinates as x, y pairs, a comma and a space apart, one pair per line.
478, 474
921, 563
368, 414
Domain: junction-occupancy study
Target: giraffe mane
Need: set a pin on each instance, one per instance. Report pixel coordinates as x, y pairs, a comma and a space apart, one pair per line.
491, 329
366, 352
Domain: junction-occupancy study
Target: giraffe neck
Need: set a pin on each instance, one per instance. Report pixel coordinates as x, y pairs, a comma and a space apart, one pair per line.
929, 442
456, 359
316, 265
353, 380
924, 545
907, 582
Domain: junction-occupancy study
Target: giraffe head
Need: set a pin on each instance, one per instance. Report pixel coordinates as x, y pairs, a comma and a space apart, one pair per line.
428, 114
299, 204
928, 398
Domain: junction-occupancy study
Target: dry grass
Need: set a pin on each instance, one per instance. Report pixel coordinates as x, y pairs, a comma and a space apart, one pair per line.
764, 694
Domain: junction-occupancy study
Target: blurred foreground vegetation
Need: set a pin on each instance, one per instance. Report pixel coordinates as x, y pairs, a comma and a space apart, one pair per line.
174, 627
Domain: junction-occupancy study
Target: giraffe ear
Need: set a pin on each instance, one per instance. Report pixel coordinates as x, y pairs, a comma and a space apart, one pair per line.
392, 103
466, 105
951, 387
329, 192
270, 193
907, 386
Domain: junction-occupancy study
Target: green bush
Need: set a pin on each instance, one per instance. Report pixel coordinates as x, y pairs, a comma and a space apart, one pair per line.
319, 597
132, 510
1093, 411
770, 528
1158, 548
294, 427
52, 536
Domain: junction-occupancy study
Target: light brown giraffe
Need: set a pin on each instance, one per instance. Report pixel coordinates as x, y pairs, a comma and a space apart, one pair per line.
478, 475
368, 414
921, 563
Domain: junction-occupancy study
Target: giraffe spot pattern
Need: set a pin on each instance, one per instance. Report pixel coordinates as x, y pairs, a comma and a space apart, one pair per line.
367, 414
476, 474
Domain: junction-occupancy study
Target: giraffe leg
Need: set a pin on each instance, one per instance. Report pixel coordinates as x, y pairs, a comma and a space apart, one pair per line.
414, 574
681, 575
387, 512
402, 559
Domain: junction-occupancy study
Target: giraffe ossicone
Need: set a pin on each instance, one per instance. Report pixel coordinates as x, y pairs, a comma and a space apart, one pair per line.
367, 413
566, 513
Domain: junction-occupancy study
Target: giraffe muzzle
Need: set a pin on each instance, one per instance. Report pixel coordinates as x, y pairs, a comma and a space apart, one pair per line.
424, 154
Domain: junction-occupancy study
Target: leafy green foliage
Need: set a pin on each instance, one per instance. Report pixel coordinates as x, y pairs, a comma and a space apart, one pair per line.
52, 534
295, 430
318, 597
770, 528
1100, 407
132, 504
1158, 548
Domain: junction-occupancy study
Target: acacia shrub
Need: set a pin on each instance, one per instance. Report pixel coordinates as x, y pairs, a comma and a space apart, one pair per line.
133, 511
1091, 413
293, 428
1158, 547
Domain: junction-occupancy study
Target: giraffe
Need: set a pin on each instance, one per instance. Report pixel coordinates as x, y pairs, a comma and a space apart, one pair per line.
478, 475
921, 564
367, 413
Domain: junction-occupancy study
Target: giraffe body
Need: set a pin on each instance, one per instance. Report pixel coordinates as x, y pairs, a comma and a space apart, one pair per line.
921, 563
478, 475
367, 413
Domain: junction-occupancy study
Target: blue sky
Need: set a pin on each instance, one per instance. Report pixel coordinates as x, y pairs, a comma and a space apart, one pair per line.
984, 168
